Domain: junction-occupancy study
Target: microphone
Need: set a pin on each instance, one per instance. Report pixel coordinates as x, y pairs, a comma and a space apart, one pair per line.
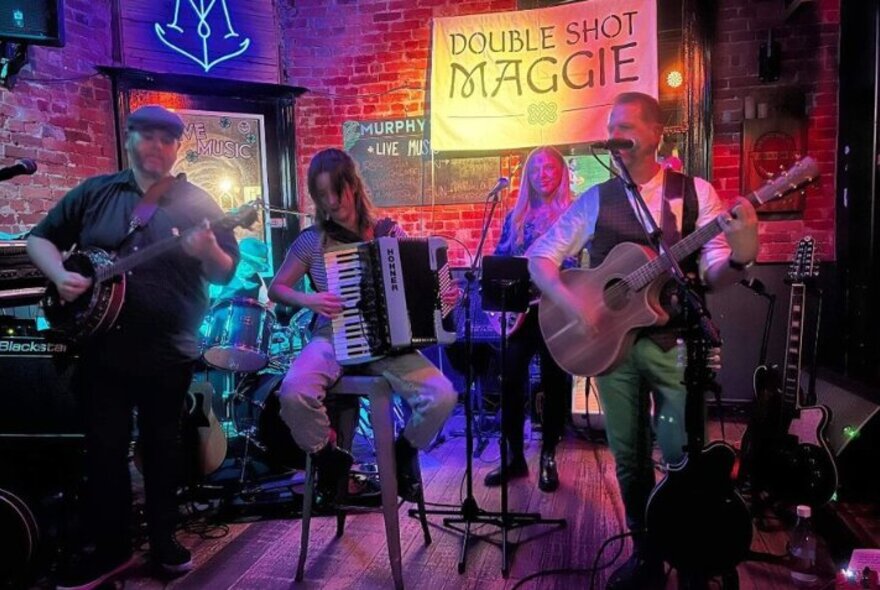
613, 144
754, 284
24, 166
502, 184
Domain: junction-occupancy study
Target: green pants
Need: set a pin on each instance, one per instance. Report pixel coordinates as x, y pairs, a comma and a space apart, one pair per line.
624, 394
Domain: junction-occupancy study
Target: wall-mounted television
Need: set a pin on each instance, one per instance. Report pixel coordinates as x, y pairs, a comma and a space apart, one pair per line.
35, 22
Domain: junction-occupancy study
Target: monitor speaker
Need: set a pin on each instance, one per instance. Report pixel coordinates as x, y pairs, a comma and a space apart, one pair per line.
34, 22
854, 434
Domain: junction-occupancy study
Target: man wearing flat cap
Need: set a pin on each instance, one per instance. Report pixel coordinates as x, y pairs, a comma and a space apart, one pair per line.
146, 359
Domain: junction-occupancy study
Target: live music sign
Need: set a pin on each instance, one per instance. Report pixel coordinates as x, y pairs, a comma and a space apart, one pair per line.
536, 77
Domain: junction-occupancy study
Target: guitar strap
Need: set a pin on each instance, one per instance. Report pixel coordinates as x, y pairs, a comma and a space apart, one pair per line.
675, 187
146, 207
678, 186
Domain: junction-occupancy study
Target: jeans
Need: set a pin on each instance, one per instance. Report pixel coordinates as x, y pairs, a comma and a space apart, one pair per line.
428, 392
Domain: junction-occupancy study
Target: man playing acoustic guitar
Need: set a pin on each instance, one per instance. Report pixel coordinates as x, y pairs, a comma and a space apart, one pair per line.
146, 359
600, 219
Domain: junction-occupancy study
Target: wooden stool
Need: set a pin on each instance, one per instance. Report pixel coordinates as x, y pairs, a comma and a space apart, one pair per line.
380, 394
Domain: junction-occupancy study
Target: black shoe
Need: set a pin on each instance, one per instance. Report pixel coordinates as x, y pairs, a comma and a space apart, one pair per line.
549, 478
170, 556
92, 570
409, 474
638, 573
332, 465
517, 468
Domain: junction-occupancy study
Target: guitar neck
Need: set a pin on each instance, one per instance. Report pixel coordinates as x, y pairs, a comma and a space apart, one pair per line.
243, 216
794, 348
645, 275
136, 258
802, 172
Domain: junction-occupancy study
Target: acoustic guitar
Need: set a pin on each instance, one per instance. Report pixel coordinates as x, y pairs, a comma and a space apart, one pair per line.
210, 441
204, 440
96, 310
622, 295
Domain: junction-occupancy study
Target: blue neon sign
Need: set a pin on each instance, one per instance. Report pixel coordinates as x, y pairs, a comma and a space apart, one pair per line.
191, 34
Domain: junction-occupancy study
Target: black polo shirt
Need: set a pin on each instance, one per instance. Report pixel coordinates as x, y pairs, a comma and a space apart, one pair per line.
166, 298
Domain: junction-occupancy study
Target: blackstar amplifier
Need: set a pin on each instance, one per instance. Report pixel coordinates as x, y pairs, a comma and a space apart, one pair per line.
35, 396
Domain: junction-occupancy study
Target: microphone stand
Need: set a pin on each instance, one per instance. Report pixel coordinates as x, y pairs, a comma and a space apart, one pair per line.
699, 325
470, 513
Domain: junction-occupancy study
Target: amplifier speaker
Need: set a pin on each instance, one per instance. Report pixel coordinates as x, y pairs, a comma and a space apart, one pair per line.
35, 398
854, 433
453, 361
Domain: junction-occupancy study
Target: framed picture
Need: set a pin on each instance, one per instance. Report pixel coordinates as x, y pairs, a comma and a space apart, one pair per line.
771, 146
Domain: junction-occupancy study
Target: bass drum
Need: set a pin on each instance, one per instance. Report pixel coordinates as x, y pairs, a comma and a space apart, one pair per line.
21, 537
256, 412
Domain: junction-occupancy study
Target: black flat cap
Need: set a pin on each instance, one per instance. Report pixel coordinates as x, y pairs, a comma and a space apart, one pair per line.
155, 117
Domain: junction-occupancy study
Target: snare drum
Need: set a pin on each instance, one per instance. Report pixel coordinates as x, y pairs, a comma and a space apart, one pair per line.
236, 335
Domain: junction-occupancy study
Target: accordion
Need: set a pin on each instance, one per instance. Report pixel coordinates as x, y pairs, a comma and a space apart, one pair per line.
391, 288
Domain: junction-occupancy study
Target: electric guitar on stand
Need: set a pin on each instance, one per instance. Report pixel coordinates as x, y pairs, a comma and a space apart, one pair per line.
696, 519
622, 295
796, 463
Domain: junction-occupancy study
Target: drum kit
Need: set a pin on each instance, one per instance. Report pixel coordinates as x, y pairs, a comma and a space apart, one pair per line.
247, 352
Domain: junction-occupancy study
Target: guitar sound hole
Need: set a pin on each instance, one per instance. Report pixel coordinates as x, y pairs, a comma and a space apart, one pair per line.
616, 294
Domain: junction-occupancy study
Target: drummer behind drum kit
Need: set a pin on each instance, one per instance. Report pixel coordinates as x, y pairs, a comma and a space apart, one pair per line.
242, 339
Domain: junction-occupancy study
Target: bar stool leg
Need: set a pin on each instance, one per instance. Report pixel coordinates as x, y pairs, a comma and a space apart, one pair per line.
423, 517
308, 498
380, 407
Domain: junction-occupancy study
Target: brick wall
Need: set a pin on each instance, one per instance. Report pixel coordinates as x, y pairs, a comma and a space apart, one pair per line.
369, 60
809, 41
374, 63
59, 114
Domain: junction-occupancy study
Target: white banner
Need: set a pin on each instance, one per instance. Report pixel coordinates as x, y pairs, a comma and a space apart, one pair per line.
538, 77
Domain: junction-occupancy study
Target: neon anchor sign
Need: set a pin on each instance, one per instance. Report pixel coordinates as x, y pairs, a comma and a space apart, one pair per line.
209, 45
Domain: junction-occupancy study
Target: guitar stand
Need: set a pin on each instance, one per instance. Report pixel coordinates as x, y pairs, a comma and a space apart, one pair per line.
505, 278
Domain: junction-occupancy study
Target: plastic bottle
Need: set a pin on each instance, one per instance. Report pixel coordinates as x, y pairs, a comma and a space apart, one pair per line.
802, 549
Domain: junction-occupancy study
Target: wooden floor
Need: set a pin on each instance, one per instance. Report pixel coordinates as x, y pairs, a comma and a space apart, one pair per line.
263, 554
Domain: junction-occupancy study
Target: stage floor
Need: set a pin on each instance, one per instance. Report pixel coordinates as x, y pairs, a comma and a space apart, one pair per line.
262, 554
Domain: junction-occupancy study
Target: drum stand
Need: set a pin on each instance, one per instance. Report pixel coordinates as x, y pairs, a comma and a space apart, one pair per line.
249, 433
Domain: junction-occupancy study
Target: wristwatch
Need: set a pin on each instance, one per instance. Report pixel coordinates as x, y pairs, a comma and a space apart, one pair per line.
739, 265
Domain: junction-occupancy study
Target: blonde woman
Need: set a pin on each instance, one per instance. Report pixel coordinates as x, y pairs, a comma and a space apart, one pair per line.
544, 195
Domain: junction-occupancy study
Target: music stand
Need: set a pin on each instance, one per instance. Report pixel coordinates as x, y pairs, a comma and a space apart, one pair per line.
505, 288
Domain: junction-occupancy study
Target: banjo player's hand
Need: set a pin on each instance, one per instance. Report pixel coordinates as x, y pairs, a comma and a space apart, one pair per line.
71, 285
200, 242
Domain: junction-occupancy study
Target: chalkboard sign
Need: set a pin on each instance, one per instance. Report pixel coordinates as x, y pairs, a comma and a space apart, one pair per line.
394, 158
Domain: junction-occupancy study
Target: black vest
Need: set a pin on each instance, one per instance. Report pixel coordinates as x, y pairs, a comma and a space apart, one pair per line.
618, 223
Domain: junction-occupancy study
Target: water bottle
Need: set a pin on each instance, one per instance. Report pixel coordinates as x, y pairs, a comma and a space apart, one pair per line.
802, 549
